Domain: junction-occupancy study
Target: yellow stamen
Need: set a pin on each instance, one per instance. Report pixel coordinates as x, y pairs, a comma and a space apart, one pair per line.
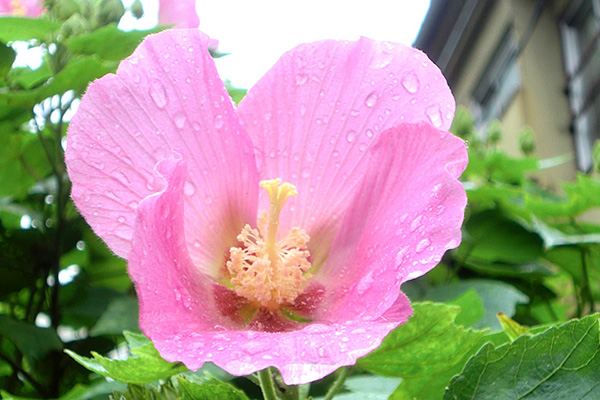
266, 271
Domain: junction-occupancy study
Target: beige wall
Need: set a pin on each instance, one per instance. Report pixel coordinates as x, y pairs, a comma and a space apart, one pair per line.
541, 102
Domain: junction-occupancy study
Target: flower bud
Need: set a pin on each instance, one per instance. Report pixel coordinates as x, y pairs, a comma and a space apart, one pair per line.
109, 11
494, 132
527, 141
137, 9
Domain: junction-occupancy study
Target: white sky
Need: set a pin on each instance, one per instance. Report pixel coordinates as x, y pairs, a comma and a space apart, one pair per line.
257, 32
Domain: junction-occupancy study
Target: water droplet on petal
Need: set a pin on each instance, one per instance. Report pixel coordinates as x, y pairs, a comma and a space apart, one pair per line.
302, 109
219, 121
371, 99
435, 115
350, 136
188, 188
158, 93
416, 223
411, 83
301, 79
422, 245
196, 126
179, 119
305, 173
382, 59
121, 219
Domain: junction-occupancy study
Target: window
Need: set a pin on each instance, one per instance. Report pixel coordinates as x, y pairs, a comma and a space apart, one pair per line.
499, 83
581, 47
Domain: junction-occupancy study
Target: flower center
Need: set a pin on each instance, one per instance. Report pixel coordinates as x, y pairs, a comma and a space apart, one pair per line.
266, 271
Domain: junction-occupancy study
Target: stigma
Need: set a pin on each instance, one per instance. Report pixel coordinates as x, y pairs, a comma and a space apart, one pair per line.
268, 272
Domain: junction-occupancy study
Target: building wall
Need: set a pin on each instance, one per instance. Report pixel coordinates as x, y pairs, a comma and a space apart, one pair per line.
541, 102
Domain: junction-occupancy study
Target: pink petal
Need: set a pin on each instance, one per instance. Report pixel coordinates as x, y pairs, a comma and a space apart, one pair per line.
172, 291
181, 13
179, 313
407, 212
166, 96
301, 356
313, 116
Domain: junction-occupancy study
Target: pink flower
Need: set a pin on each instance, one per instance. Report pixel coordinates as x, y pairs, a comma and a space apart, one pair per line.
21, 8
177, 180
181, 13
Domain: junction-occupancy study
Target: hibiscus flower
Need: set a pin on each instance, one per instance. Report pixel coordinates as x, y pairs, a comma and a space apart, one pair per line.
21, 8
276, 233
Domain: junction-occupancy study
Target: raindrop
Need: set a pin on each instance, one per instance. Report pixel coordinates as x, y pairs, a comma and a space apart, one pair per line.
440, 209
121, 219
158, 93
400, 256
362, 147
354, 113
179, 119
305, 173
416, 223
302, 109
435, 115
369, 133
411, 83
351, 136
382, 59
219, 121
422, 245
335, 153
49, 199
371, 99
80, 245
135, 76
189, 188
301, 79
196, 126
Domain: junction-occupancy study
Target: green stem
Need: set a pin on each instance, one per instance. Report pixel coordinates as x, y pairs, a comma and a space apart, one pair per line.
338, 384
266, 384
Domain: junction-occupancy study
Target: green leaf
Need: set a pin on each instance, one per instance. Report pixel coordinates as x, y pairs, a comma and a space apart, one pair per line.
209, 391
494, 238
561, 363
235, 93
18, 28
109, 42
29, 78
426, 351
76, 75
23, 155
471, 308
34, 342
79, 392
121, 315
144, 366
496, 296
367, 387
7, 57
512, 328
554, 237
